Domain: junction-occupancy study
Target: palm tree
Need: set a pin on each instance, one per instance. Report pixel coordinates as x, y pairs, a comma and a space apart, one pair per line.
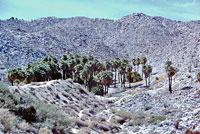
41, 71
29, 74
108, 65
147, 69
143, 61
124, 63
20, 74
168, 63
128, 76
11, 75
137, 62
63, 66
71, 63
133, 60
84, 76
105, 78
78, 68
116, 65
171, 71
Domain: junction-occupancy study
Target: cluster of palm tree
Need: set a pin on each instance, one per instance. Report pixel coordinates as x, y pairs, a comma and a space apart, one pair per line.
97, 76
47, 69
146, 69
171, 71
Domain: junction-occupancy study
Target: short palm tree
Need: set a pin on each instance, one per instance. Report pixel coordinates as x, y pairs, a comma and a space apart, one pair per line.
105, 78
11, 75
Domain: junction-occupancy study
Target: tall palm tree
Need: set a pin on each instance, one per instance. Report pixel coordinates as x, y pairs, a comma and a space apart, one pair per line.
78, 68
123, 66
171, 71
143, 61
147, 70
71, 63
63, 66
128, 76
115, 66
133, 61
137, 62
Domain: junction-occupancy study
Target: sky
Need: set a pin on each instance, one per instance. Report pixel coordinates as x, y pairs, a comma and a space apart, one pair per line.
183, 10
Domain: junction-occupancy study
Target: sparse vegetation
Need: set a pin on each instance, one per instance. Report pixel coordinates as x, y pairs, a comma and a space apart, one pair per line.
156, 119
38, 113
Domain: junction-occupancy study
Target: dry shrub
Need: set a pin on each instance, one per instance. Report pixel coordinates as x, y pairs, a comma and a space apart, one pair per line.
24, 126
6, 120
45, 131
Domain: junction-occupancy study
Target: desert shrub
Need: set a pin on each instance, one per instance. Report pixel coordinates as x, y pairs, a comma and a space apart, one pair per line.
124, 114
156, 119
24, 126
6, 120
45, 131
137, 122
97, 90
40, 114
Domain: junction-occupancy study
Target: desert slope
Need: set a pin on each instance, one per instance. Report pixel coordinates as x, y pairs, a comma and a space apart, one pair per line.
157, 38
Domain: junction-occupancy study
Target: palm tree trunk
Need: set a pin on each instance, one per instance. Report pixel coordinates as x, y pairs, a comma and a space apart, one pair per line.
121, 81
170, 88
64, 74
146, 80
118, 77
142, 72
149, 79
12, 83
124, 81
105, 91
115, 76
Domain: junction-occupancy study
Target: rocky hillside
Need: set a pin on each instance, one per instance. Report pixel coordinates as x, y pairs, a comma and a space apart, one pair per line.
60, 102
157, 38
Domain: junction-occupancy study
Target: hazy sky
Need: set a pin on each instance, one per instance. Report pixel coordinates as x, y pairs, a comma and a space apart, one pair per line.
184, 10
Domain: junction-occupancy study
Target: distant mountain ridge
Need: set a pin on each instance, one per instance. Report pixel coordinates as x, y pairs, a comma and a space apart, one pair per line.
158, 38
